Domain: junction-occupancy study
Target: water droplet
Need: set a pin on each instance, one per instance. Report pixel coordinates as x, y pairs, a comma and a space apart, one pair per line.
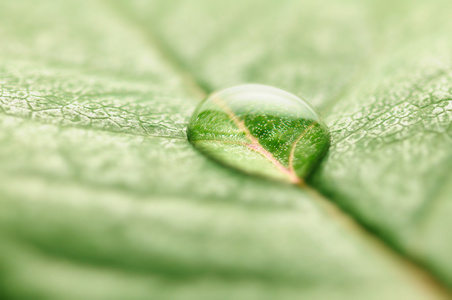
261, 130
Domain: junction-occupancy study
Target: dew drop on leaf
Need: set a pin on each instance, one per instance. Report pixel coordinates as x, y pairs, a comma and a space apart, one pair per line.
260, 130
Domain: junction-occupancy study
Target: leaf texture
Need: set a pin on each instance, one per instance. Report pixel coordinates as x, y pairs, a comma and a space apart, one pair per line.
102, 197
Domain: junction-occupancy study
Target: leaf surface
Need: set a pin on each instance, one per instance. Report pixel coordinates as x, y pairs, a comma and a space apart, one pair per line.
380, 73
102, 197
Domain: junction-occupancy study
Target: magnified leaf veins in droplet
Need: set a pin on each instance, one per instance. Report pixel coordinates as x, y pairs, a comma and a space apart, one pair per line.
261, 130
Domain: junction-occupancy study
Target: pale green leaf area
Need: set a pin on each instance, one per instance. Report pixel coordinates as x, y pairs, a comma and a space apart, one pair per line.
102, 196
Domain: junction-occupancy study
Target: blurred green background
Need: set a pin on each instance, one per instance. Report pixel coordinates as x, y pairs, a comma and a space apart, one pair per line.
102, 196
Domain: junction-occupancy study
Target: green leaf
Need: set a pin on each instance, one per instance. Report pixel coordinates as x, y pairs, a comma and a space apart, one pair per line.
102, 196
380, 73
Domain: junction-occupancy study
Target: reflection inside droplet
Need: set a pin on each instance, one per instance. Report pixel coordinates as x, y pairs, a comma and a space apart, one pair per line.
261, 130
